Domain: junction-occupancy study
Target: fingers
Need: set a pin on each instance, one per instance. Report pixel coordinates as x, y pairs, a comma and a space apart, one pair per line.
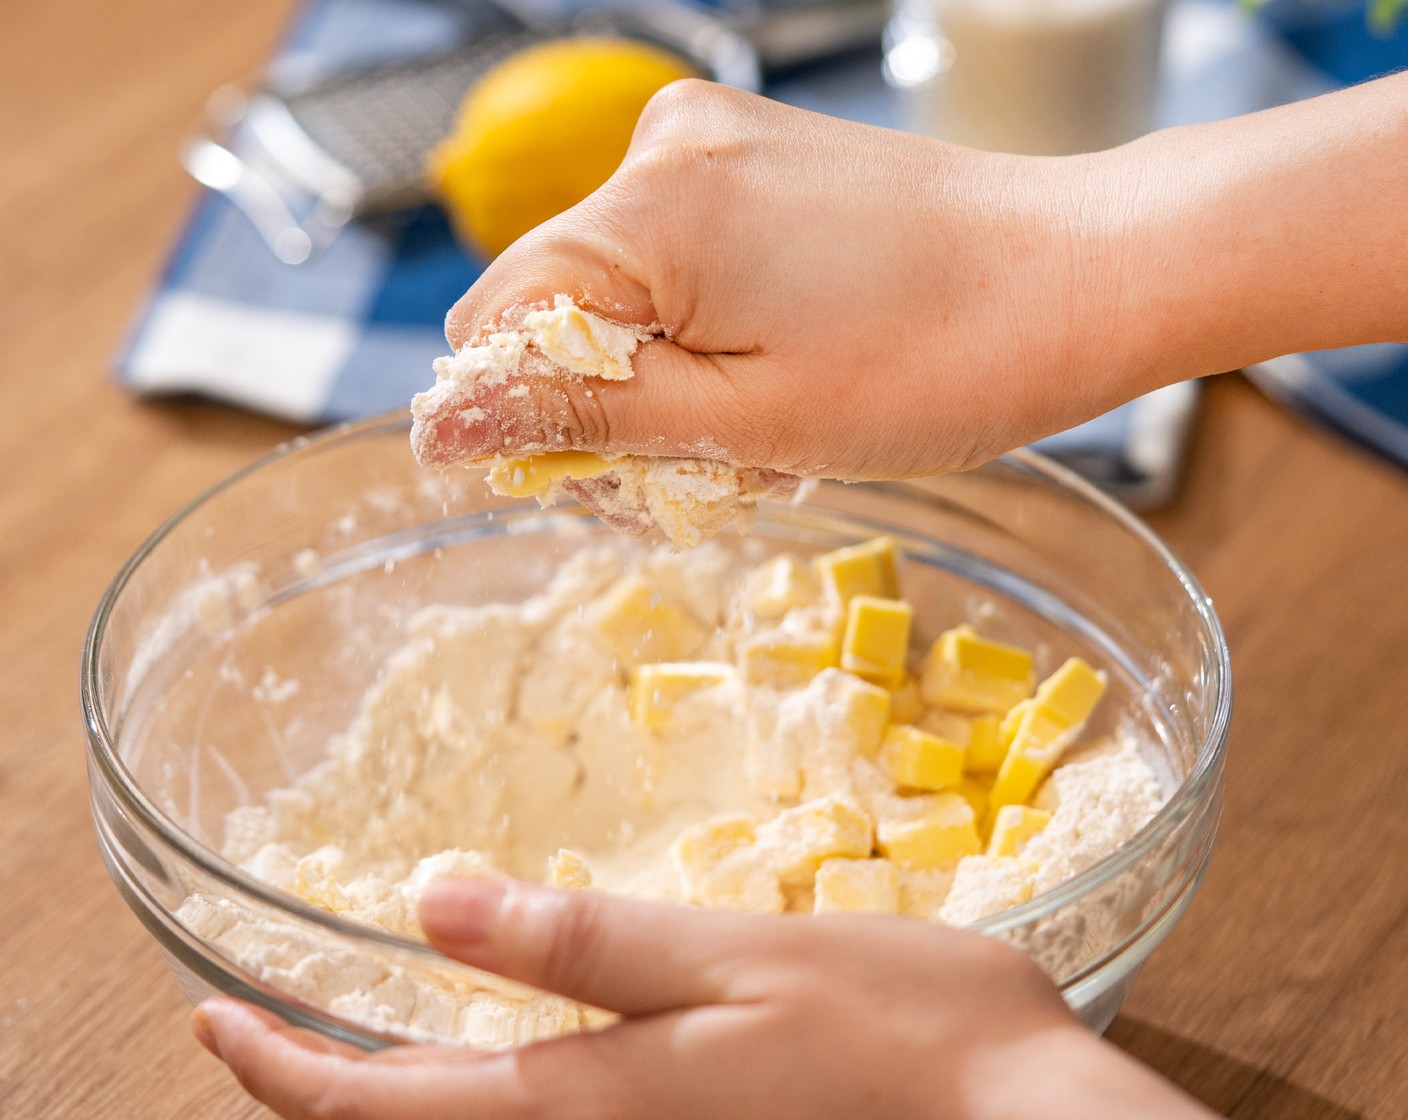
302, 1075
634, 957
679, 403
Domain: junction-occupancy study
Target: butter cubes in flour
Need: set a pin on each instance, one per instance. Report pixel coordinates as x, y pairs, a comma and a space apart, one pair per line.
784, 737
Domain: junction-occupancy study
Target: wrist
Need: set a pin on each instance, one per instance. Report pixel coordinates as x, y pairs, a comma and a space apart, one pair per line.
1265, 235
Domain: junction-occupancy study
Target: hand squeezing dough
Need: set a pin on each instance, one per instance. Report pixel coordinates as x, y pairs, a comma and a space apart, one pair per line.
688, 499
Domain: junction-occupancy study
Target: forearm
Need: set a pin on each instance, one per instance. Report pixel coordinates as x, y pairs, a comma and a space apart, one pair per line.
1265, 235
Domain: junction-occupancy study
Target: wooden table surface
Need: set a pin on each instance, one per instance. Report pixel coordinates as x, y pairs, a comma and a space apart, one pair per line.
1283, 993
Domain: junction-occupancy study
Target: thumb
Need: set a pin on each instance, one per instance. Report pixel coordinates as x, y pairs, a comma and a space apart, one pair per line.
620, 954
678, 404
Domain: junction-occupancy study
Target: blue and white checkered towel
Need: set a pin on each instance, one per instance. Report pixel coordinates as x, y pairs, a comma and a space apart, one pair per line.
353, 331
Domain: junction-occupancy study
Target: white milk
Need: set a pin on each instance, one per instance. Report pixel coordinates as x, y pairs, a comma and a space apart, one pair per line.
1040, 77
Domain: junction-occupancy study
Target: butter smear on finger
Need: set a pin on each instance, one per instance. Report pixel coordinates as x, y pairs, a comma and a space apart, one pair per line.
687, 499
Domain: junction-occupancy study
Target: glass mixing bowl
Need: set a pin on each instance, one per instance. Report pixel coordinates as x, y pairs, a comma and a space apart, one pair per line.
242, 634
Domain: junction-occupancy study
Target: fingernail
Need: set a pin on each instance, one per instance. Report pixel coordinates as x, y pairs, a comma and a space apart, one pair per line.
204, 1030
463, 911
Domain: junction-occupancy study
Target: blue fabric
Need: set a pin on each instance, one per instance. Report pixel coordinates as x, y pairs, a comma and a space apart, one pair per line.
353, 331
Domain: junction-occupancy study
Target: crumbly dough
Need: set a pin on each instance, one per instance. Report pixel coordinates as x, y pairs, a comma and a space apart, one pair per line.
689, 499
497, 736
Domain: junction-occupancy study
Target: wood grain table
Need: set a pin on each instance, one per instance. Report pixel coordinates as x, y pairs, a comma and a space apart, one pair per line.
1283, 993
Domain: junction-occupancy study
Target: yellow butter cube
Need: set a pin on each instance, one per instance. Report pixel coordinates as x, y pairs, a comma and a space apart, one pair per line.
1036, 745
986, 746
974, 789
906, 706
536, 474
656, 689
1042, 728
1071, 692
568, 869
876, 641
944, 834
857, 886
720, 865
779, 585
914, 759
799, 839
970, 673
1007, 727
781, 659
862, 569
639, 624
1013, 826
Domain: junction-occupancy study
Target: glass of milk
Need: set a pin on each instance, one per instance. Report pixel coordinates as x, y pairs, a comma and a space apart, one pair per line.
1038, 77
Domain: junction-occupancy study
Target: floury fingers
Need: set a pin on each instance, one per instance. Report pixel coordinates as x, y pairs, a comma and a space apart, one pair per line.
688, 499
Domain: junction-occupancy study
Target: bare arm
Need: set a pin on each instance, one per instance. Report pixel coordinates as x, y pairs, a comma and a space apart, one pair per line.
849, 301
1273, 233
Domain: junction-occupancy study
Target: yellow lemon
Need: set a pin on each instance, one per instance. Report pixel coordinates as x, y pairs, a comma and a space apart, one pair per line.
542, 130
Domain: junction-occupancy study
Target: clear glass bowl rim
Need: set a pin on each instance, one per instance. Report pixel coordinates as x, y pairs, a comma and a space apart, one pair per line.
120, 783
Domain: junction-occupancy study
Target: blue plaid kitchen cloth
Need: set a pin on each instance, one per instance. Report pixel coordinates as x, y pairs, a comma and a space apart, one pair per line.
352, 332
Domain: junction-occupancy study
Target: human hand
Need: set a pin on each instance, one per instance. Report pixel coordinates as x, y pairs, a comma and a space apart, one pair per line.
836, 299
725, 1016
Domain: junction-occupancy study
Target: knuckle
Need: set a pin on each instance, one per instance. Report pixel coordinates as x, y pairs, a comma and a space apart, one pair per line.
573, 941
554, 416
588, 425
688, 124
674, 105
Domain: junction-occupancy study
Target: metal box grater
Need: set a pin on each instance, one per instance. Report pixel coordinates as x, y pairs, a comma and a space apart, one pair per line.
301, 160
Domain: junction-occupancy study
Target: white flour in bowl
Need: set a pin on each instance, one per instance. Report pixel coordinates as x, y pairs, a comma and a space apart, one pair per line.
516, 739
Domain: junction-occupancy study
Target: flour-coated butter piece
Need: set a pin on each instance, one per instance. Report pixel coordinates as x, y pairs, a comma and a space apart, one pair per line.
658, 688
857, 886
720, 865
777, 586
944, 834
852, 712
984, 886
581, 342
639, 624
772, 762
797, 840
785, 659
1013, 826
567, 868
